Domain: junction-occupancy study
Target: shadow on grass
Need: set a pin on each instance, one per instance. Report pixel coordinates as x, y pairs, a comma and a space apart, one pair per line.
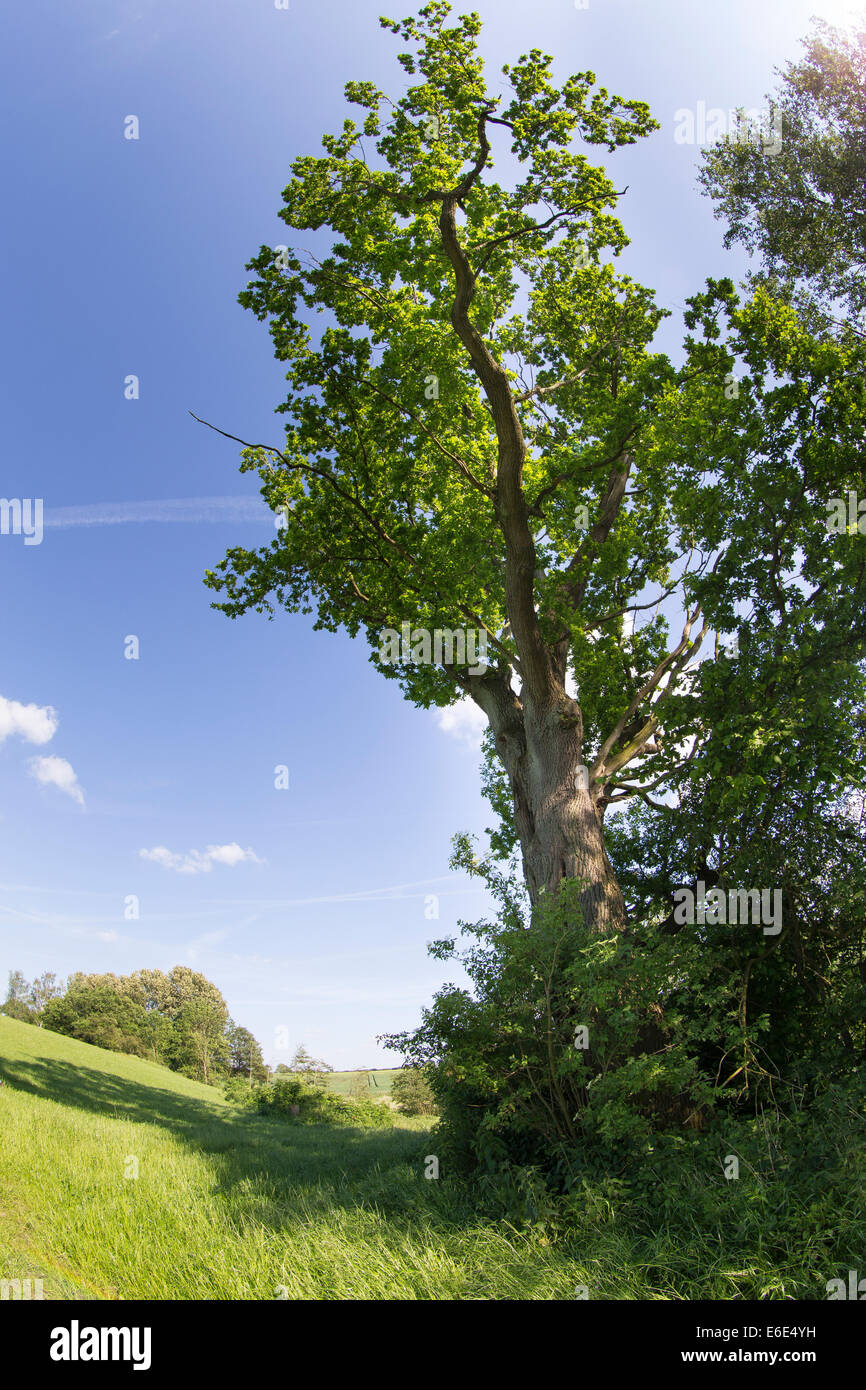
107, 1094
273, 1161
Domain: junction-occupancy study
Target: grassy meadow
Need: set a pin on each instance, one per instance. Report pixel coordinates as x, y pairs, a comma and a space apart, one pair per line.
380, 1082
228, 1204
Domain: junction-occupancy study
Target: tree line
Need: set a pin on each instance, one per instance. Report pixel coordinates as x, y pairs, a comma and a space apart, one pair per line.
179, 1019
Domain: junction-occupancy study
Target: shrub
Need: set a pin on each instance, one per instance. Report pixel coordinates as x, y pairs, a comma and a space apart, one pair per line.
238, 1090
412, 1092
296, 1100
573, 1042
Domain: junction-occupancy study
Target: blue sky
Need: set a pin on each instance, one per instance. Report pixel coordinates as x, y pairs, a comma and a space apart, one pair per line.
310, 907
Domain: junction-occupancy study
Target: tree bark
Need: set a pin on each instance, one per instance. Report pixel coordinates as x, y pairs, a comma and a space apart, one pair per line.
557, 816
560, 825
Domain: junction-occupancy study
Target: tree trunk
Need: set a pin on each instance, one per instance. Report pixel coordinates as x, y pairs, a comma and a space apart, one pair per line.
557, 816
563, 839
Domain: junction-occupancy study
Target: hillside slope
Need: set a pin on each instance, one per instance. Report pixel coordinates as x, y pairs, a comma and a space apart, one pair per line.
226, 1204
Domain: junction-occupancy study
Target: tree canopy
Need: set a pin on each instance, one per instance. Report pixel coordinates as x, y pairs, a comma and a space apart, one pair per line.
480, 436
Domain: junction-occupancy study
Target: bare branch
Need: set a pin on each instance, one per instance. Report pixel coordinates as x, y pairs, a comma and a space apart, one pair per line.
672, 662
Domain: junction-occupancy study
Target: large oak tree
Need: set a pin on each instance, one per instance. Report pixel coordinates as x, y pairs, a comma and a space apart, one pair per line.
479, 436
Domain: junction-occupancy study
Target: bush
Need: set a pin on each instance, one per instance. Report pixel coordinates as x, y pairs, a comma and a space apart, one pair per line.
296, 1100
238, 1090
412, 1092
573, 1043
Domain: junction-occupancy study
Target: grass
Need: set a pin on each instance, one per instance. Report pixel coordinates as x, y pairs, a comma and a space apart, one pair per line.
226, 1205
231, 1205
381, 1081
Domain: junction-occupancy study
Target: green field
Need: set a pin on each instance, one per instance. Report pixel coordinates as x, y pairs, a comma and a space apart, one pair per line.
227, 1204
381, 1081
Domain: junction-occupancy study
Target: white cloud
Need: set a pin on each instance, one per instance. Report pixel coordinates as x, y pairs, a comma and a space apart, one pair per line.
35, 723
196, 862
463, 721
57, 772
230, 854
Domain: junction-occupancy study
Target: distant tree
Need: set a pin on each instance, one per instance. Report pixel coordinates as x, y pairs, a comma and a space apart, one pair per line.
99, 1015
179, 1019
802, 210
245, 1055
156, 1034
14, 1008
44, 988
412, 1093
309, 1069
168, 993
18, 988
199, 1045
121, 984
282, 1070
17, 994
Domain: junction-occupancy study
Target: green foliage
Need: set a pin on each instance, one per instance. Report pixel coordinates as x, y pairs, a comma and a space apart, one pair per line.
298, 1100
179, 1019
638, 1057
702, 488
369, 460
18, 988
26, 1001
98, 1015
198, 1045
310, 1069
238, 1090
571, 1043
245, 1055
412, 1092
44, 988
801, 209
801, 997
16, 1008
234, 1205
775, 1226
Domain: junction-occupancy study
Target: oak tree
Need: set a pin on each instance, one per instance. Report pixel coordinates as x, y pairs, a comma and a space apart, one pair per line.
479, 437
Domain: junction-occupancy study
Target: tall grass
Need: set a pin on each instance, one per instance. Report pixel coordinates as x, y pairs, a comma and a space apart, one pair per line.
231, 1205
226, 1205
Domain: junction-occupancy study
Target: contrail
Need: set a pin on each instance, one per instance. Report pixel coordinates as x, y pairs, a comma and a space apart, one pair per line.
190, 510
